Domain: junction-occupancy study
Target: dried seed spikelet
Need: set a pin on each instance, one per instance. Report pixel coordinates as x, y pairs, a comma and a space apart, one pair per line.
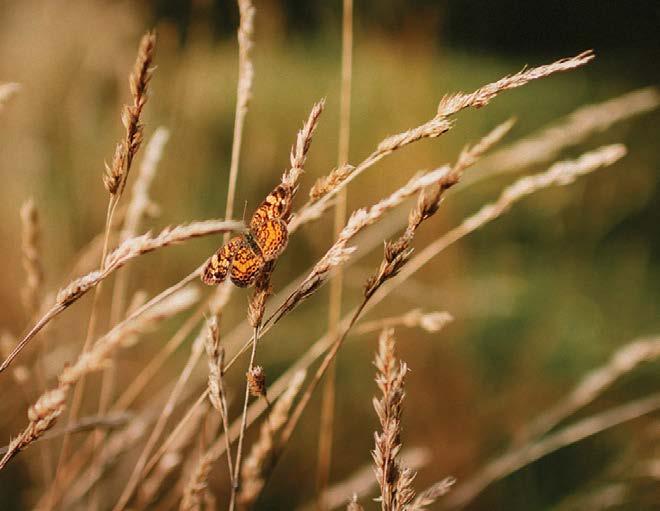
116, 173
435, 321
7, 91
354, 505
66, 296
31, 256
429, 199
197, 486
452, 104
398, 252
301, 147
570, 131
396, 255
438, 125
432, 322
339, 252
257, 303
431, 494
245, 44
326, 184
395, 481
140, 245
256, 380
215, 355
42, 415
257, 464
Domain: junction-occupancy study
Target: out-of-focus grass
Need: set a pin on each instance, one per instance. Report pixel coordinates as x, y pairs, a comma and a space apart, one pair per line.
540, 296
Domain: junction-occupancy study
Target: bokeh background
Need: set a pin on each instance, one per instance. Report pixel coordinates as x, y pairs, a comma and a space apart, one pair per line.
539, 297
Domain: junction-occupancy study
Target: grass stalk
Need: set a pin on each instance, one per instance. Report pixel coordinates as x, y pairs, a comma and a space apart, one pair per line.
336, 285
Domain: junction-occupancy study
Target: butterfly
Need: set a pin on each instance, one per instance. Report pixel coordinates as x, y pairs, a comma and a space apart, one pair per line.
244, 257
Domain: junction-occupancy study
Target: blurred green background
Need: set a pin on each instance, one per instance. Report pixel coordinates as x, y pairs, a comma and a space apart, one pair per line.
539, 297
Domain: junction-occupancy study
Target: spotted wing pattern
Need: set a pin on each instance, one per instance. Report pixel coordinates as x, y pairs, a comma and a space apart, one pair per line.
243, 258
218, 267
246, 265
276, 206
268, 222
272, 237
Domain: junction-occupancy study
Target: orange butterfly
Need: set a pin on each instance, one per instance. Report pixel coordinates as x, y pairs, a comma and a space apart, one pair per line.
244, 257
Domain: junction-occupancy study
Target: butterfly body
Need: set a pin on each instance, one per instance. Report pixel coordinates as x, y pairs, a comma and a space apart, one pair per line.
244, 257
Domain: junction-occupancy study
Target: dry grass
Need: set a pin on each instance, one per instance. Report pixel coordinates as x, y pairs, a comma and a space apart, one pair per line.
160, 440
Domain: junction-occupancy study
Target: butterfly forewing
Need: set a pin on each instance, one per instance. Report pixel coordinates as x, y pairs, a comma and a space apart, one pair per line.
272, 237
276, 206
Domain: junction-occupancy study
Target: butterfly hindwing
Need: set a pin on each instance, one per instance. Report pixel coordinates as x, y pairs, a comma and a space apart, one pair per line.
218, 267
246, 265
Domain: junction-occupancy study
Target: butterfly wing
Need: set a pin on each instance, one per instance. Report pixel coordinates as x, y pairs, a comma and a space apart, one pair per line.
276, 206
272, 237
218, 267
246, 264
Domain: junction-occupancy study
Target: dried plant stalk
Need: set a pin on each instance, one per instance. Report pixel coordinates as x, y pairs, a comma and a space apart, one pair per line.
257, 464
395, 480
116, 174
243, 93
589, 162
431, 322
449, 106
217, 396
340, 251
362, 481
559, 174
51, 404
31, 257
622, 362
173, 458
142, 467
110, 421
336, 285
141, 203
115, 179
145, 464
42, 415
298, 156
255, 377
454, 103
521, 456
570, 131
195, 491
437, 182
128, 250
215, 354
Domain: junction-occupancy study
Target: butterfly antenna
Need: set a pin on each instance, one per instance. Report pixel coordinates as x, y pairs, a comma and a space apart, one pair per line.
244, 210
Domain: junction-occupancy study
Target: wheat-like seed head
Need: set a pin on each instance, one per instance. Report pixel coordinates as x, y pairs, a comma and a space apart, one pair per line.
116, 173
